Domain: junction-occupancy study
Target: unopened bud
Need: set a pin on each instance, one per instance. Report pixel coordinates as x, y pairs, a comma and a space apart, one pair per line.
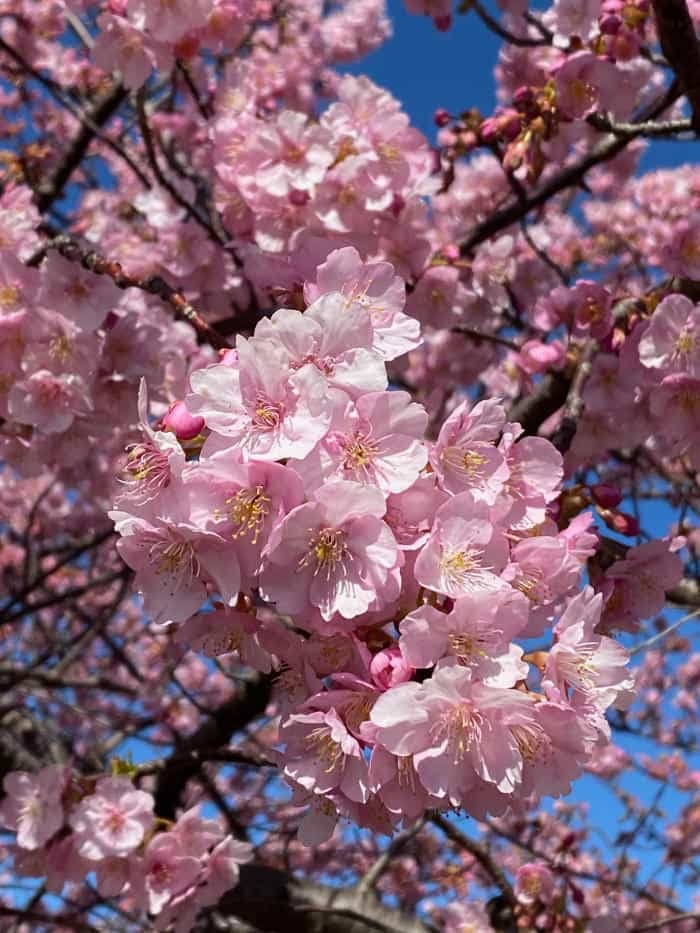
609, 497
441, 117
610, 24
183, 425
299, 198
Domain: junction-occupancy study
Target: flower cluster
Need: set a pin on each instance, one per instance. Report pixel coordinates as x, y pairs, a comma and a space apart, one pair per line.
315, 491
67, 827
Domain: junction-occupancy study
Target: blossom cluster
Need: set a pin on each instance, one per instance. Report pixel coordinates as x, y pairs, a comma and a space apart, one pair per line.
348, 500
406, 568
68, 826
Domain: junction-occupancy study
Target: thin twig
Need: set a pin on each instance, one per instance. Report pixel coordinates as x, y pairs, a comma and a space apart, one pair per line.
375, 871
482, 856
491, 23
153, 285
478, 336
667, 631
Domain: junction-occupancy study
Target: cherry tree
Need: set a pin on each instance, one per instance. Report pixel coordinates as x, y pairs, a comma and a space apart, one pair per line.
350, 480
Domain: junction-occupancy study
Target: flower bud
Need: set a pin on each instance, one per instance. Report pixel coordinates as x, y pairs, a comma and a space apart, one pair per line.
610, 24
299, 198
441, 117
183, 425
389, 668
606, 496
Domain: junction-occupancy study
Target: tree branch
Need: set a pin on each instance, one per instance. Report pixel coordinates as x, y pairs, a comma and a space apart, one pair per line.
272, 900
680, 46
155, 285
249, 701
482, 856
568, 177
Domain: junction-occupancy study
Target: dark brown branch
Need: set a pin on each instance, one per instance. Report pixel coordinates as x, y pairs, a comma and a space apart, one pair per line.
569, 177
481, 855
272, 900
91, 128
653, 130
249, 702
103, 109
369, 880
680, 47
566, 431
154, 285
477, 336
549, 396
493, 24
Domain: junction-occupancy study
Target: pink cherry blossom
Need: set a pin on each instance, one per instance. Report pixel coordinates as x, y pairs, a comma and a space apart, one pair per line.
322, 756
333, 553
32, 806
477, 632
465, 553
375, 440
534, 882
374, 287
265, 408
672, 340
465, 456
165, 870
453, 727
113, 821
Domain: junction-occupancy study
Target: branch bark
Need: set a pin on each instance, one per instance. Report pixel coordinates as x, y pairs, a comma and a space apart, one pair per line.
680, 46
271, 900
246, 704
569, 177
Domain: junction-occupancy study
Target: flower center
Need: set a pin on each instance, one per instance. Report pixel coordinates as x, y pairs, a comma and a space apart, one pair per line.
360, 452
319, 742
248, 510
176, 558
530, 584
468, 463
531, 741
327, 549
77, 289
148, 466
114, 821
457, 566
267, 415
461, 727
9, 296
686, 342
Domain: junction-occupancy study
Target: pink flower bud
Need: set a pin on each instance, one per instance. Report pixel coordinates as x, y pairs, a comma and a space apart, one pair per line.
389, 668
183, 425
441, 117
442, 23
620, 522
451, 252
299, 198
523, 98
490, 130
606, 496
610, 24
